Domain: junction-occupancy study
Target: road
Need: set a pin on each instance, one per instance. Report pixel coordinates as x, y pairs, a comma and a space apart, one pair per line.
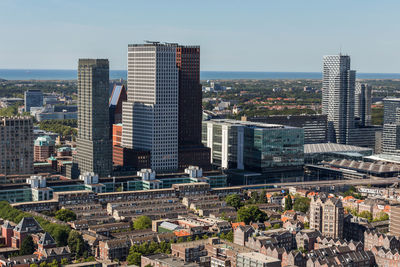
372, 181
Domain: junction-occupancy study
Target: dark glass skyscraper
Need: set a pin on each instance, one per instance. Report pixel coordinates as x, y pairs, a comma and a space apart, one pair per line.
33, 98
191, 150
93, 142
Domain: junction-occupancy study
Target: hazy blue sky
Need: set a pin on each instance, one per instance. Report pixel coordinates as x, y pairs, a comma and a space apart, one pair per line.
247, 35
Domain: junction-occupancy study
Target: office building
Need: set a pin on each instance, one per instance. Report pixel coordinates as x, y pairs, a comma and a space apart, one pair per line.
338, 87
94, 152
364, 136
43, 148
326, 216
32, 98
391, 126
54, 112
150, 115
394, 223
191, 150
315, 126
16, 145
390, 105
362, 107
253, 146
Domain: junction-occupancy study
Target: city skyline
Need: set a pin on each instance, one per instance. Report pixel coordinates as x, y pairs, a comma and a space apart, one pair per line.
278, 37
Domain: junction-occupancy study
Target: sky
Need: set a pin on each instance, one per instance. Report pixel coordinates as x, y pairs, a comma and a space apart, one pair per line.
279, 35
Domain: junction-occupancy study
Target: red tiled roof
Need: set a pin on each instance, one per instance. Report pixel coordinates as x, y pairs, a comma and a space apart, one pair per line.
236, 225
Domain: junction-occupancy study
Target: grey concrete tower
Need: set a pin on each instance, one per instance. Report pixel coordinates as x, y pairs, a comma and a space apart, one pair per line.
338, 88
94, 150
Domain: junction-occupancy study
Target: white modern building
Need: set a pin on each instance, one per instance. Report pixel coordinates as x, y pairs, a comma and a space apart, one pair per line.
150, 116
391, 127
253, 146
338, 90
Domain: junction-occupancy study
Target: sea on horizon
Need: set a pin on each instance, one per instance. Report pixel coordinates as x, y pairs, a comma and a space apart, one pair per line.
38, 74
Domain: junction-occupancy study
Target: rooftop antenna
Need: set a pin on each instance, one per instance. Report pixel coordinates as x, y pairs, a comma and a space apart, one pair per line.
340, 51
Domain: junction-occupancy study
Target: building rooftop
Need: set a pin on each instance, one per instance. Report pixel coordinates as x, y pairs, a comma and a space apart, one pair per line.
167, 260
391, 99
385, 158
29, 225
256, 125
115, 95
259, 257
365, 166
332, 147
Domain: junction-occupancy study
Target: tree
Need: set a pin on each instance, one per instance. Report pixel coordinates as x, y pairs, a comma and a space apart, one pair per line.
76, 243
302, 204
54, 263
222, 235
234, 200
302, 250
205, 236
263, 196
381, 216
134, 257
142, 222
288, 202
27, 246
254, 197
65, 215
277, 226
64, 261
366, 214
60, 235
250, 213
229, 236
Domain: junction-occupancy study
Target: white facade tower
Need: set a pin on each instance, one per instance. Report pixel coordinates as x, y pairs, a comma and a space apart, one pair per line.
338, 89
150, 116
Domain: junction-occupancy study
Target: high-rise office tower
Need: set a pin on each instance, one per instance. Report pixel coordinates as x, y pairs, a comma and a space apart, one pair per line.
16, 145
362, 109
150, 115
93, 142
338, 97
33, 98
190, 95
391, 126
191, 149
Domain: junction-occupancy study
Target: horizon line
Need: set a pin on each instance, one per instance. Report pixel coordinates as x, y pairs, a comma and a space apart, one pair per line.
227, 71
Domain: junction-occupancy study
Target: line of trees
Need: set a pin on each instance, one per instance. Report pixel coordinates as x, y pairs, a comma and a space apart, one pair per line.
62, 127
